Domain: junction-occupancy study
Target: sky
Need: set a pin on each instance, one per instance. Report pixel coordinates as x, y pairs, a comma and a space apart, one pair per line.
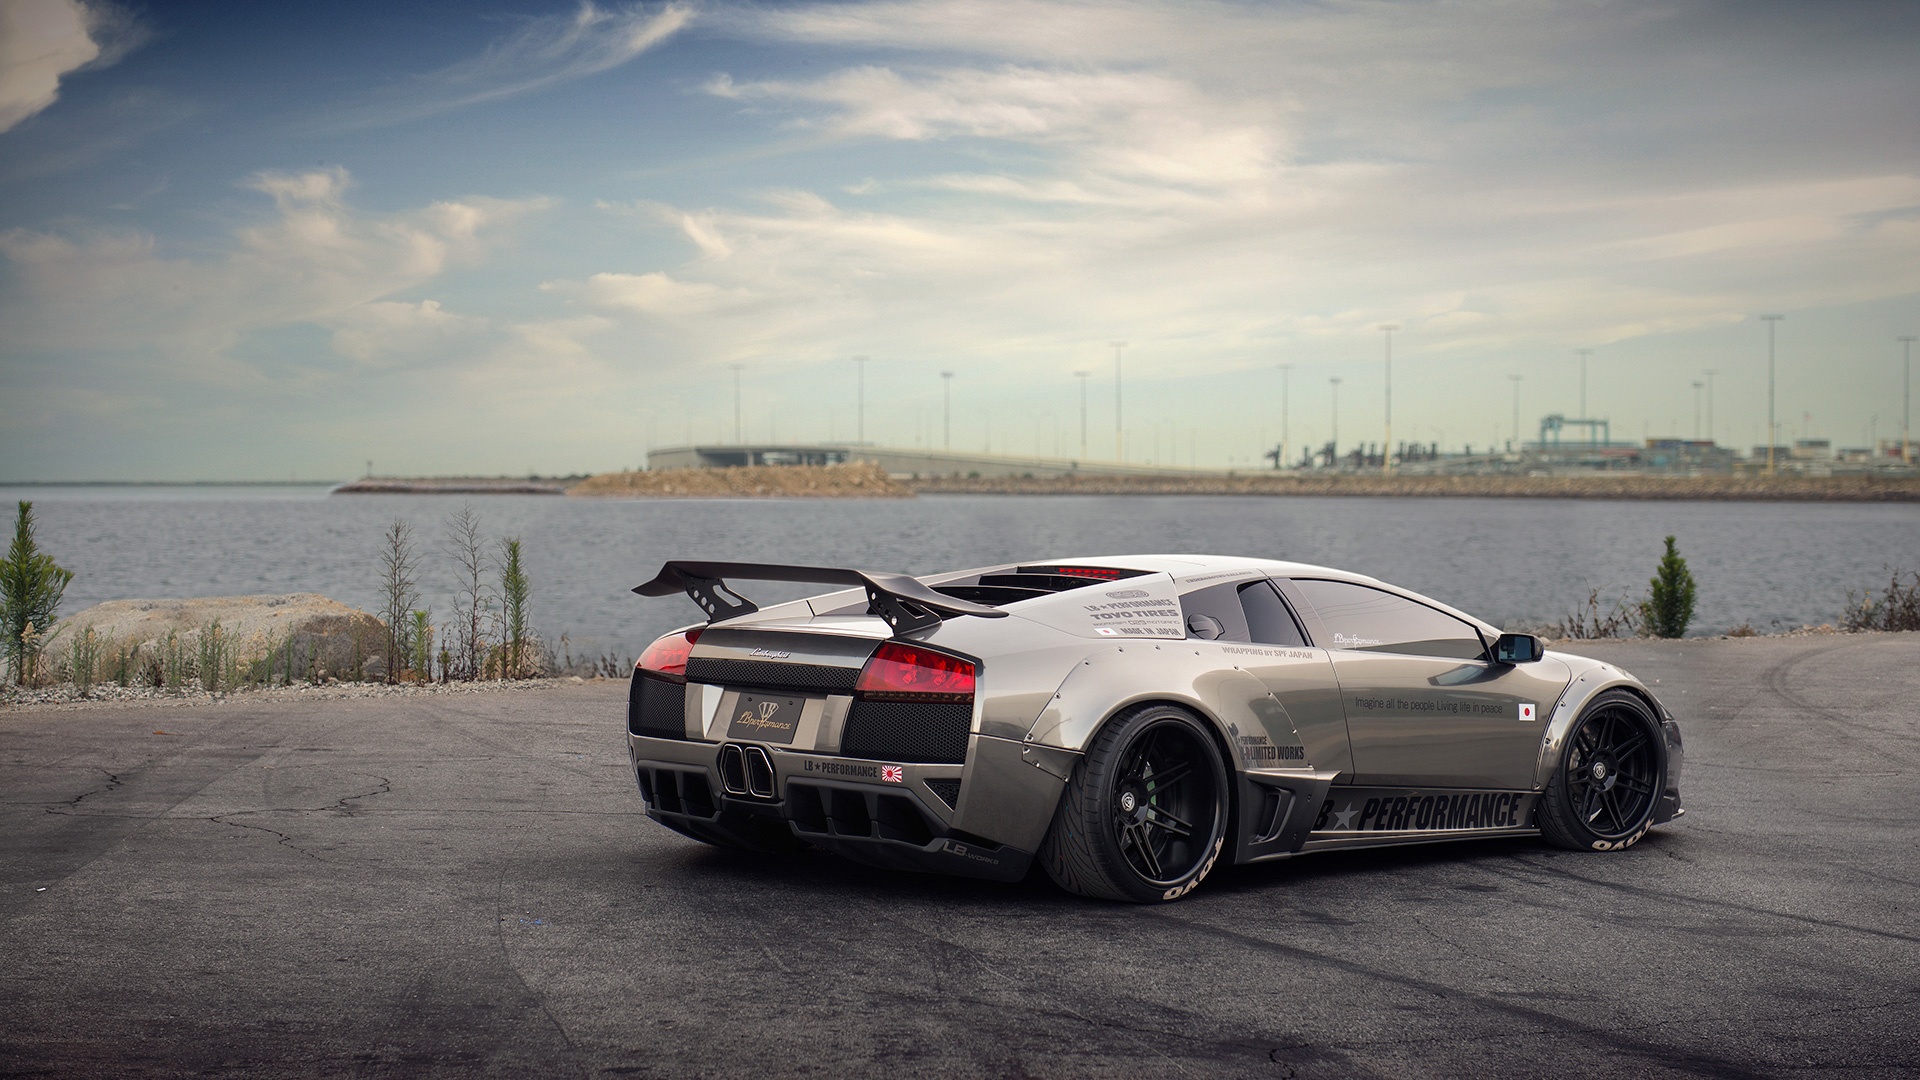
275, 241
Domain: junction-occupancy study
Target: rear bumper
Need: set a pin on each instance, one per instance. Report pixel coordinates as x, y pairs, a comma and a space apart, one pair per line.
899, 817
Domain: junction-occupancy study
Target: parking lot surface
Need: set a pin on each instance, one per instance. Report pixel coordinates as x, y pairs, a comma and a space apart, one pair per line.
467, 885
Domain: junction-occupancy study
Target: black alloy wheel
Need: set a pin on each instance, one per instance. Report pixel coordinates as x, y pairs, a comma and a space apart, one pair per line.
1144, 817
1612, 770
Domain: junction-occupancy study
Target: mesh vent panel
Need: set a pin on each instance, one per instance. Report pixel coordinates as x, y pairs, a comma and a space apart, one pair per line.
948, 790
657, 708
705, 669
907, 731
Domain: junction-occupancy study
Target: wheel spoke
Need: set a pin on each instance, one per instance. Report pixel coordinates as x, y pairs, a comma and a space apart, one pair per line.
1144, 845
1590, 805
1632, 747
1160, 781
1634, 784
1613, 811
1169, 823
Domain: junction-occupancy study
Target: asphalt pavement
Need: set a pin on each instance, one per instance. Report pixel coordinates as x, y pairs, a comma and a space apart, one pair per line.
466, 885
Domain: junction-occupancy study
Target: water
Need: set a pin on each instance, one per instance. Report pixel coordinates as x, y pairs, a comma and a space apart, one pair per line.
1515, 562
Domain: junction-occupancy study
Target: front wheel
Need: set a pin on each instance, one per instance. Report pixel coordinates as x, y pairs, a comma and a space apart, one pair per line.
1145, 815
1612, 770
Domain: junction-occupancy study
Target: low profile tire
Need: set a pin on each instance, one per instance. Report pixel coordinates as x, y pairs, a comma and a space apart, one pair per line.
1612, 771
1145, 815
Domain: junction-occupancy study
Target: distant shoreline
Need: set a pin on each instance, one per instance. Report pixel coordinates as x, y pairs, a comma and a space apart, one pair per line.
802, 482
1602, 486
166, 483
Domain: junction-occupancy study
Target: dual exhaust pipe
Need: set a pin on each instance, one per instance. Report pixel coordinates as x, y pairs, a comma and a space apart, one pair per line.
746, 770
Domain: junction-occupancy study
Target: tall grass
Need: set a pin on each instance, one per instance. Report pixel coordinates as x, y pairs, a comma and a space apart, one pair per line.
1898, 608
83, 659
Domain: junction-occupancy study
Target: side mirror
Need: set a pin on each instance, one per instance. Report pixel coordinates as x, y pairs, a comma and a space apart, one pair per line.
1518, 649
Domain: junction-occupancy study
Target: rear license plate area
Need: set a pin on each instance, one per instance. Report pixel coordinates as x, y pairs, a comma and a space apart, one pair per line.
767, 718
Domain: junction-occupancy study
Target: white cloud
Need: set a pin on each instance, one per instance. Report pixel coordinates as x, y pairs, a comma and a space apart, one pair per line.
42, 41
544, 52
1225, 177
315, 261
387, 330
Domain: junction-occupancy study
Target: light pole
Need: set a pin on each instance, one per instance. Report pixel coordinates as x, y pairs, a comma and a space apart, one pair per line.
1906, 399
1082, 376
1282, 462
1771, 321
1516, 407
1335, 442
1119, 446
1710, 374
1386, 446
860, 402
1584, 355
946, 423
736, 402
1697, 387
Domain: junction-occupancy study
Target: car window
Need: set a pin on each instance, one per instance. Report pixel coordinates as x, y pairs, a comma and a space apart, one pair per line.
1269, 622
1358, 617
1214, 614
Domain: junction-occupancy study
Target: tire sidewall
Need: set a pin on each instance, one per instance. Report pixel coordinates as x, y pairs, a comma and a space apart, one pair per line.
1578, 835
1099, 789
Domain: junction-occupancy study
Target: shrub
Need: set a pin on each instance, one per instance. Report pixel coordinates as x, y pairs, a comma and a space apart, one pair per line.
1669, 606
515, 591
1896, 609
31, 585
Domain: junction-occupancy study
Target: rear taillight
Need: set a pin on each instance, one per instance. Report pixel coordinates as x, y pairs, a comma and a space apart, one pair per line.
667, 657
900, 672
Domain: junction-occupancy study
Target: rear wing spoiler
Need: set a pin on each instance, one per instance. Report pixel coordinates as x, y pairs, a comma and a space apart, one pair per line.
902, 601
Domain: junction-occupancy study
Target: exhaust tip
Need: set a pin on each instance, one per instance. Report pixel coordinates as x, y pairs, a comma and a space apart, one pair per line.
733, 770
759, 773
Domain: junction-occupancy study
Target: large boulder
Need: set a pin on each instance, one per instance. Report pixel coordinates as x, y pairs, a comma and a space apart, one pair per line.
307, 634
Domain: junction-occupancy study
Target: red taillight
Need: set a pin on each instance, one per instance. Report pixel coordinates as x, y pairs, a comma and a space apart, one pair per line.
1098, 573
667, 657
900, 672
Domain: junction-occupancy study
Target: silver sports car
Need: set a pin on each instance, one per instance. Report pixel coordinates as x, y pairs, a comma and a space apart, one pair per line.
1128, 721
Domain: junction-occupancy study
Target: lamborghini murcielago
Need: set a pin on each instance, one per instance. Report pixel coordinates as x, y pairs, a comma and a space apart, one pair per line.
1127, 721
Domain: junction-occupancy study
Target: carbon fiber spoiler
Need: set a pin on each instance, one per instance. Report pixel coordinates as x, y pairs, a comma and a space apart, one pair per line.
902, 601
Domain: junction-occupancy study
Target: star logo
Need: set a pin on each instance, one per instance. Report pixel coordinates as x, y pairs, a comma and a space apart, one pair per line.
1344, 819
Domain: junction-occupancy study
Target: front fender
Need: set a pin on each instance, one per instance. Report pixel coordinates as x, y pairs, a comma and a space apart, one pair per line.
1592, 678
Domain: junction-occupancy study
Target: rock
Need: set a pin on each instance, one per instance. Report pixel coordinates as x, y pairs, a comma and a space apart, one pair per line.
306, 631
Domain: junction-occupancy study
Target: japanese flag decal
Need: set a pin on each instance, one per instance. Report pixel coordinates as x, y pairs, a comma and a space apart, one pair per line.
1527, 711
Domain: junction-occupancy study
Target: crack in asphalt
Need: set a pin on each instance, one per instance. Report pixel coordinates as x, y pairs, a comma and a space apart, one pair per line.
284, 839
339, 806
113, 781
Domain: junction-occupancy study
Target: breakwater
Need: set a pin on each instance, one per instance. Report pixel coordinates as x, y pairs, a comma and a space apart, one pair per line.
854, 480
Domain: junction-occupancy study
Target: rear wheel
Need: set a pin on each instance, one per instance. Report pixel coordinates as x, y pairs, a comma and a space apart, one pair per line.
1145, 815
1612, 770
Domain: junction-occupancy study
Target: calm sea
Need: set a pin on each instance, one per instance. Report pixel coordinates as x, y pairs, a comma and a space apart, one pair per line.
1517, 562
